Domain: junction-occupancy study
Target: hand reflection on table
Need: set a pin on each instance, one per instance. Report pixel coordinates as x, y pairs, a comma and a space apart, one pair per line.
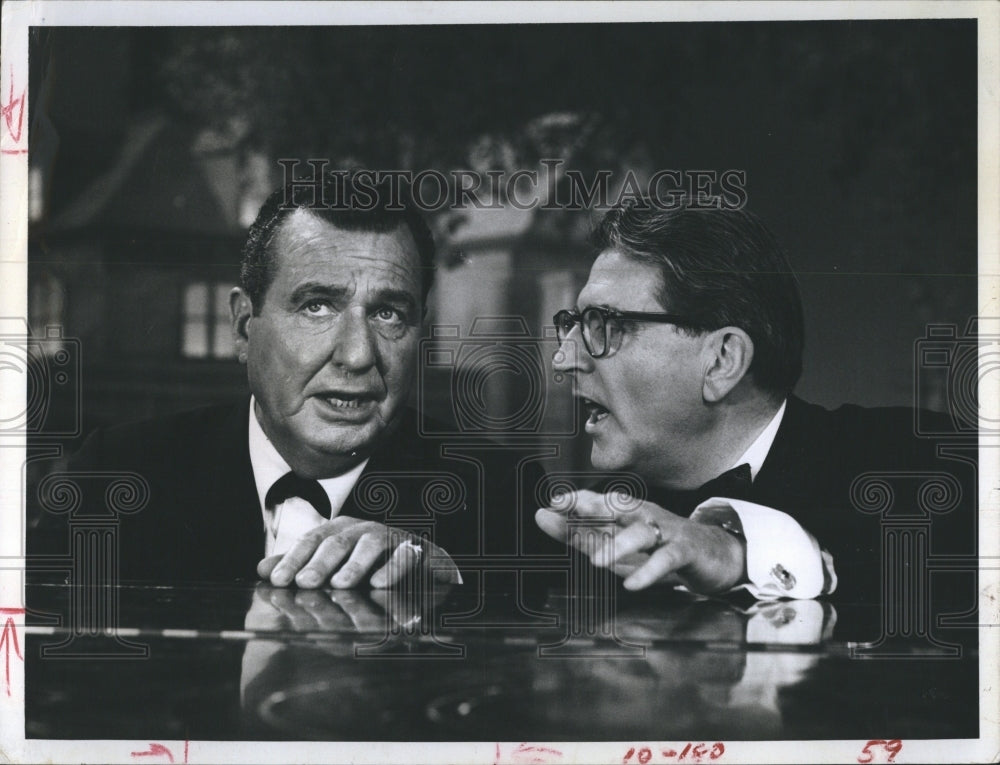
332, 620
706, 672
733, 688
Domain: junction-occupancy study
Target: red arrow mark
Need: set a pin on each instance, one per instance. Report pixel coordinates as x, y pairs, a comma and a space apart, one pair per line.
8, 638
535, 755
155, 750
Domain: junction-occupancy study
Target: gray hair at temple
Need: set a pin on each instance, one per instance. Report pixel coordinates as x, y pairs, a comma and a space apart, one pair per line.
719, 268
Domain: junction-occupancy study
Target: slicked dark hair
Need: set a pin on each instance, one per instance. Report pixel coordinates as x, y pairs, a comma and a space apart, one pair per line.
344, 202
720, 268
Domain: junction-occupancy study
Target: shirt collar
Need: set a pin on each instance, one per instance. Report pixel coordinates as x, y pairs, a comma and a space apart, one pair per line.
756, 453
268, 466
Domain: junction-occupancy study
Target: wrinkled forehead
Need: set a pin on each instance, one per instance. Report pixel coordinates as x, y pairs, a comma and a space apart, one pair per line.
620, 281
305, 244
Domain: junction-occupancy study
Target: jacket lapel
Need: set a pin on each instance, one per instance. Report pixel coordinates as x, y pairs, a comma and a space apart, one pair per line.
233, 519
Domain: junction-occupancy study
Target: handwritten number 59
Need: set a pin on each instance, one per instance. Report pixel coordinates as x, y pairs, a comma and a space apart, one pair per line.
893, 747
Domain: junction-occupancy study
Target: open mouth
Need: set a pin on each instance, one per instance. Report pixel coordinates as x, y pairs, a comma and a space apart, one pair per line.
595, 412
347, 402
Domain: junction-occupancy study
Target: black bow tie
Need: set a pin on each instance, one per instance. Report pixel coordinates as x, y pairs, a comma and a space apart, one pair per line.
735, 484
291, 485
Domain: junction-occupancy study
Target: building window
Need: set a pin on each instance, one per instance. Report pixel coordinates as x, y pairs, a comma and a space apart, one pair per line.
46, 303
205, 329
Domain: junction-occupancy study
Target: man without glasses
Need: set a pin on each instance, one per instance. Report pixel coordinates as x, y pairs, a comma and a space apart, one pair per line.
327, 321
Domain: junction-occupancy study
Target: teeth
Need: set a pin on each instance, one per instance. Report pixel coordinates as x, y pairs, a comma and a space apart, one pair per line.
344, 403
596, 411
597, 415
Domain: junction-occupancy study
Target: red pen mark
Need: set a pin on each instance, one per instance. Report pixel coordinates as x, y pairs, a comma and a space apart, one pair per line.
156, 750
697, 752
892, 746
535, 754
186, 742
8, 639
15, 123
529, 754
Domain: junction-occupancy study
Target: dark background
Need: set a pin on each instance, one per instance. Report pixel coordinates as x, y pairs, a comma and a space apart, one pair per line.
150, 147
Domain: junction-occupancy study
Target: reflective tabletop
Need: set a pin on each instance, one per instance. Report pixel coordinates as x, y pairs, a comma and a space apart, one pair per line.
496, 658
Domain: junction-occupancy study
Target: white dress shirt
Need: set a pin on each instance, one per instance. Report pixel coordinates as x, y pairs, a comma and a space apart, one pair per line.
292, 518
783, 559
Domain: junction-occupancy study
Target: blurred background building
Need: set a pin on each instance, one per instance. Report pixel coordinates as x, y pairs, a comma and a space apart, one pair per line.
152, 148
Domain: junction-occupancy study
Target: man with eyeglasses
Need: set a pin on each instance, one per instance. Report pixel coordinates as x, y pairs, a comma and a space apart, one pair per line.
684, 348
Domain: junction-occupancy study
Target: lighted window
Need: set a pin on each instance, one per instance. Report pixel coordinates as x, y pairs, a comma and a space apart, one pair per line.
46, 301
205, 329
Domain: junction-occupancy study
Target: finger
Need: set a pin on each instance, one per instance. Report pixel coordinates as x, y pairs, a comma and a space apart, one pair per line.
383, 599
552, 523
302, 551
663, 561
647, 512
293, 560
281, 600
295, 617
325, 560
404, 558
562, 502
401, 606
628, 540
364, 616
628, 565
444, 569
590, 504
327, 615
624, 570
625, 565
266, 566
262, 616
367, 551
590, 539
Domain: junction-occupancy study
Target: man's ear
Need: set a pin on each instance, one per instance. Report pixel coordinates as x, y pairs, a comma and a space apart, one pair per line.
728, 355
240, 312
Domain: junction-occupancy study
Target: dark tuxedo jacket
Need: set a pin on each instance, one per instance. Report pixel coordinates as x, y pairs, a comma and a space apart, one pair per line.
202, 520
868, 488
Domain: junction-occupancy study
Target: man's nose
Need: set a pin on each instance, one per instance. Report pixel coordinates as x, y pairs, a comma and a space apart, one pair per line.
571, 356
354, 346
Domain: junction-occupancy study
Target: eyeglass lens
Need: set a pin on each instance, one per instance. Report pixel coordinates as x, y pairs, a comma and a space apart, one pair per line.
594, 331
593, 326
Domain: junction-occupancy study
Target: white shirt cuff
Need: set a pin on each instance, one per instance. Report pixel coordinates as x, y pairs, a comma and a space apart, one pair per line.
783, 559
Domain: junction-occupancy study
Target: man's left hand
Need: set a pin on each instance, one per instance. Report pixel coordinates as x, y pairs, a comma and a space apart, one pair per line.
341, 552
704, 558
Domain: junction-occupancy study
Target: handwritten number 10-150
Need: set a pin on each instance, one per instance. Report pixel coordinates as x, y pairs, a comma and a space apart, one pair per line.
695, 751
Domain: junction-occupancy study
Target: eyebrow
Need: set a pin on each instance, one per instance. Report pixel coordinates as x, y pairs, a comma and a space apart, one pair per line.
398, 297
317, 289
339, 293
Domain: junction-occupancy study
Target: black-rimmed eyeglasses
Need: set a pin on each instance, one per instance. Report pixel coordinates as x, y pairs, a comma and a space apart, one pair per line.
601, 328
